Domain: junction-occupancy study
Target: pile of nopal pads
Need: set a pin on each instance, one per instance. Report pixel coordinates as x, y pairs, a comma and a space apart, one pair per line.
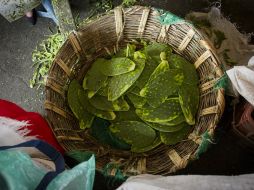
144, 95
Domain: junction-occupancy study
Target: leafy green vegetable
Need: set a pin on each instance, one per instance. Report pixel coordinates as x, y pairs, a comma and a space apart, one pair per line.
119, 84
145, 91
175, 137
100, 131
117, 66
148, 70
135, 90
129, 115
188, 69
94, 79
103, 90
154, 50
43, 57
86, 121
76, 107
179, 119
167, 111
156, 143
130, 50
189, 99
167, 128
136, 100
109, 115
102, 103
80, 156
132, 131
152, 68
161, 68
157, 90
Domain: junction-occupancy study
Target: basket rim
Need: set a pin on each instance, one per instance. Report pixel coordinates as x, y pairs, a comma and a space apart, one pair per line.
197, 139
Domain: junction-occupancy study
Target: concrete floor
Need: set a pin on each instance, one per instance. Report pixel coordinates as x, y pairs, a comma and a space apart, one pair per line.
18, 39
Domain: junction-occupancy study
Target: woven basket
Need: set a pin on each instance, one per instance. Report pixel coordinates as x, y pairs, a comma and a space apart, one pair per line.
106, 35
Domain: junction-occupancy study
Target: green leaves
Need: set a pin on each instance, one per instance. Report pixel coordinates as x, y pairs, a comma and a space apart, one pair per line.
175, 137
155, 143
102, 103
119, 84
154, 50
161, 85
136, 100
132, 132
147, 71
43, 57
147, 96
84, 117
167, 111
117, 66
179, 119
167, 128
109, 115
100, 131
162, 67
94, 79
189, 99
188, 69
130, 115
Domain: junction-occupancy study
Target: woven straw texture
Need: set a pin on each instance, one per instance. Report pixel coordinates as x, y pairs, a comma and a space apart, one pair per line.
106, 35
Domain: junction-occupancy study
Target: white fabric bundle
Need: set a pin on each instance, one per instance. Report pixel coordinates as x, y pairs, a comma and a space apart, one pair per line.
242, 78
188, 182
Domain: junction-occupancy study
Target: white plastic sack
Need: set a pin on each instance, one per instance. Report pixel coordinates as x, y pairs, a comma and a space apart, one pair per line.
242, 78
188, 182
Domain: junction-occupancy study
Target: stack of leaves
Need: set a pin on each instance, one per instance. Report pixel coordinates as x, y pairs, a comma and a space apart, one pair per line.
145, 96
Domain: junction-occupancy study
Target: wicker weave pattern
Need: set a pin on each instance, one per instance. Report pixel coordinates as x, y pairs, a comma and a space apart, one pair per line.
105, 36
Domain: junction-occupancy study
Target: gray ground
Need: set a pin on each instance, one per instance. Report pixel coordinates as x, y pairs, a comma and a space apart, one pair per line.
18, 39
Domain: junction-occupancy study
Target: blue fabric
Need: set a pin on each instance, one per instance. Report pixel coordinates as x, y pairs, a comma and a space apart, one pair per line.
49, 11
